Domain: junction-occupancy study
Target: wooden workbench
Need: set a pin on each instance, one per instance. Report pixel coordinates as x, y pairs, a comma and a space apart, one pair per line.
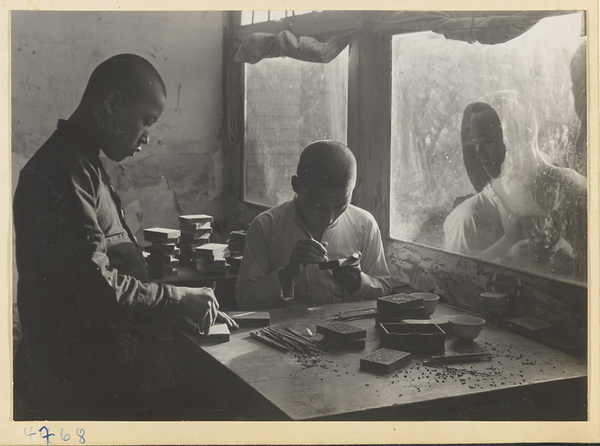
524, 381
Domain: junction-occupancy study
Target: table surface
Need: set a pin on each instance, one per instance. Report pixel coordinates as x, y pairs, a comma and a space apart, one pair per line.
332, 384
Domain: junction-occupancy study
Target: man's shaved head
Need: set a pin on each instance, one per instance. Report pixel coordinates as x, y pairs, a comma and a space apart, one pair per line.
124, 97
129, 74
329, 164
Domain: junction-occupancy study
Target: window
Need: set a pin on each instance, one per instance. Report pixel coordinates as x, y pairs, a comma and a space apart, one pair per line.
434, 79
289, 104
250, 17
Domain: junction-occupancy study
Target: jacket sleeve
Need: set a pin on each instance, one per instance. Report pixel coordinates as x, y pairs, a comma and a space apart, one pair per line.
375, 275
57, 222
257, 285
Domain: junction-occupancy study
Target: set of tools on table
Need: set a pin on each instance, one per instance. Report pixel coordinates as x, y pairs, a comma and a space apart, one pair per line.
399, 340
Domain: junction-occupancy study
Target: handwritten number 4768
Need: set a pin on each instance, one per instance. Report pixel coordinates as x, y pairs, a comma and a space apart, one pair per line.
46, 434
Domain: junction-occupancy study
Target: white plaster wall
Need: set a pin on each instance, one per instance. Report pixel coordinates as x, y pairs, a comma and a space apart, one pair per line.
53, 54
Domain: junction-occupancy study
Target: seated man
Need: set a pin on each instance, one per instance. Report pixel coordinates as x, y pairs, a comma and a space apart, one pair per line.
84, 296
285, 244
475, 223
534, 209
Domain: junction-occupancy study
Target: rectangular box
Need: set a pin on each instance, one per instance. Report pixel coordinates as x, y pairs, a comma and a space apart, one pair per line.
531, 327
195, 218
218, 333
442, 322
384, 360
238, 235
213, 251
400, 315
197, 233
337, 346
191, 226
397, 302
194, 237
162, 260
169, 249
415, 338
193, 244
161, 233
251, 318
341, 331
234, 261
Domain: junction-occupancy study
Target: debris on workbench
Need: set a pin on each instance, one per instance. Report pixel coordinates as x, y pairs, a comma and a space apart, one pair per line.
384, 360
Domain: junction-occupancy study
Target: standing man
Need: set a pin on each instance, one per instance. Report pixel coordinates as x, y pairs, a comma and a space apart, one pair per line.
286, 244
83, 292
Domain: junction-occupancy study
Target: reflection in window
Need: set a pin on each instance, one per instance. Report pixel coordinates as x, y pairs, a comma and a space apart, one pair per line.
433, 81
289, 104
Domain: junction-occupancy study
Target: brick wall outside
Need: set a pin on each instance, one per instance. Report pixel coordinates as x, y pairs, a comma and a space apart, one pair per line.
289, 104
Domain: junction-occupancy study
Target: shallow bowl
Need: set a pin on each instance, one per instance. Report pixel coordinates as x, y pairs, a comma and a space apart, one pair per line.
430, 301
466, 328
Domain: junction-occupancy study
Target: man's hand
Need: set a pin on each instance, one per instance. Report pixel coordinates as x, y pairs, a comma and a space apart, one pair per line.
224, 317
348, 276
304, 252
198, 307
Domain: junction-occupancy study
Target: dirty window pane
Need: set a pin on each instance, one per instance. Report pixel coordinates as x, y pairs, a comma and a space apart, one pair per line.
433, 81
289, 104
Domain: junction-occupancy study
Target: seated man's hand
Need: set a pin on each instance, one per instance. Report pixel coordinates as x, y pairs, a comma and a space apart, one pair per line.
348, 277
304, 252
198, 307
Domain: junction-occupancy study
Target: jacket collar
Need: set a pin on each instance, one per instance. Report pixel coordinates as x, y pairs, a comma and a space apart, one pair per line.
82, 137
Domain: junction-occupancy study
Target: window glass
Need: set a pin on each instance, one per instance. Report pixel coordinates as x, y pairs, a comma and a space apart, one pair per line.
527, 81
289, 104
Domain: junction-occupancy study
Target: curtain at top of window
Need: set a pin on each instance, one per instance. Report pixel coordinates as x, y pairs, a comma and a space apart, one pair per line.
486, 27
258, 46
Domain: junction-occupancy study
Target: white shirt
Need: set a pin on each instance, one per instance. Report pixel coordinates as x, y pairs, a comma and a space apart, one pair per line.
269, 244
